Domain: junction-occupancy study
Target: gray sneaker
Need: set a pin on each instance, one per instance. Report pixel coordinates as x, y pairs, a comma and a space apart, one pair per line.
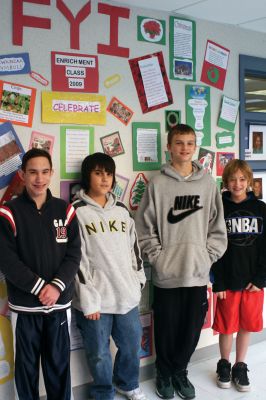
182, 385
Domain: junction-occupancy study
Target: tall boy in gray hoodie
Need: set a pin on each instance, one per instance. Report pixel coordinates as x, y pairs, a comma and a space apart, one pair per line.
181, 232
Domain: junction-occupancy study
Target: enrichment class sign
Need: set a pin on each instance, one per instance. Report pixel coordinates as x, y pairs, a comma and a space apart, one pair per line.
76, 108
74, 72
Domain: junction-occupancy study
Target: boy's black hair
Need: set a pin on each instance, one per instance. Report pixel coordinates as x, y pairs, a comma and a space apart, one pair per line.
179, 129
33, 153
93, 161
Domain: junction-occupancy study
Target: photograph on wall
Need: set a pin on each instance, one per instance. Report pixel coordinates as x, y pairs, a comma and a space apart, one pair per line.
146, 138
198, 112
68, 190
221, 160
121, 185
228, 113
73, 108
257, 143
17, 103
206, 158
151, 81
182, 49
40, 140
146, 340
257, 188
76, 142
120, 111
215, 65
151, 30
172, 118
13, 64
11, 153
72, 72
112, 144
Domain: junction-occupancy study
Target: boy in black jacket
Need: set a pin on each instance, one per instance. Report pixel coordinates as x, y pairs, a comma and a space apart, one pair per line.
240, 275
40, 255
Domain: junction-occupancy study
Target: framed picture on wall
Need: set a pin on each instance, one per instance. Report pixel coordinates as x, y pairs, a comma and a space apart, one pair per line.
259, 185
112, 144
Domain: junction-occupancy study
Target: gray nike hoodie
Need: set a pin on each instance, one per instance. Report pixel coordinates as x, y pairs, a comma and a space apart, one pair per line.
181, 227
111, 272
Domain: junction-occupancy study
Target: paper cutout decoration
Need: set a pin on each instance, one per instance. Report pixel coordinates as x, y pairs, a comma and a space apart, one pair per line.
17, 103
11, 152
39, 78
112, 80
13, 64
78, 108
14, 189
228, 114
215, 65
137, 190
182, 49
172, 118
198, 112
120, 111
151, 81
74, 72
225, 139
151, 30
121, 184
221, 160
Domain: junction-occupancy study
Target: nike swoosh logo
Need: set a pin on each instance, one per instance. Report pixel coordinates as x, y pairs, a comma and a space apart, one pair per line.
173, 219
62, 323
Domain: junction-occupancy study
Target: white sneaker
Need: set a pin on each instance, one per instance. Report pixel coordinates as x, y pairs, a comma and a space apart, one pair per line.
135, 394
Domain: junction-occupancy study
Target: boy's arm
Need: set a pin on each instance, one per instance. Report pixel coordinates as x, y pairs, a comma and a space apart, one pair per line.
217, 235
15, 271
217, 277
259, 279
137, 262
88, 297
70, 264
146, 225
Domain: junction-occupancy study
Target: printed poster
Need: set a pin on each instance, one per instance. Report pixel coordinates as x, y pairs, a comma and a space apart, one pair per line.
215, 65
228, 114
182, 49
146, 138
13, 64
11, 153
151, 81
76, 108
74, 72
76, 143
198, 112
17, 103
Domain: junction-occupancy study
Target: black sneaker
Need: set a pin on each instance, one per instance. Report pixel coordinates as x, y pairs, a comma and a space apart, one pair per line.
164, 387
182, 385
223, 374
240, 377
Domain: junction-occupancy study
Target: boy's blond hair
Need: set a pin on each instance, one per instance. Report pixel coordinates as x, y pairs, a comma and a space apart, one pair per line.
232, 167
179, 129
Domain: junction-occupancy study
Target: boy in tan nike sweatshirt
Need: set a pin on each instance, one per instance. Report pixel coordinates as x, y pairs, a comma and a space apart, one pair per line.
181, 232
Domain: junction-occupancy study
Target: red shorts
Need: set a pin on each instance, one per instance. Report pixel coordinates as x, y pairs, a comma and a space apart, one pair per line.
240, 310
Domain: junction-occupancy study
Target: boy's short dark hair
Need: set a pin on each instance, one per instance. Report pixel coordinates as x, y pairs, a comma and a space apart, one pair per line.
33, 153
93, 161
179, 129
233, 166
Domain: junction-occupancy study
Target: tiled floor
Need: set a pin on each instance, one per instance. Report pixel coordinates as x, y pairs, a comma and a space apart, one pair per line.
202, 374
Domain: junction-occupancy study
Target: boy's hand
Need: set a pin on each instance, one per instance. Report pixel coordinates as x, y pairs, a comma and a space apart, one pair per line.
252, 288
221, 295
95, 316
49, 295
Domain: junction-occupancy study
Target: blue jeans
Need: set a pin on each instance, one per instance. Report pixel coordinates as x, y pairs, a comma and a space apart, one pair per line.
126, 332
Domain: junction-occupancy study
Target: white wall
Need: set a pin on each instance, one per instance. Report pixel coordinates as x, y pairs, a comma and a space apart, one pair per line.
94, 30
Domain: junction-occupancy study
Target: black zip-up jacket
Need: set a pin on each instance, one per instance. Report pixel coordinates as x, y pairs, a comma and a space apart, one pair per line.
245, 258
38, 247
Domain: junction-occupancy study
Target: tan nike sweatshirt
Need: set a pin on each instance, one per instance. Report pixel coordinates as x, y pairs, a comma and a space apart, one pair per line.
180, 227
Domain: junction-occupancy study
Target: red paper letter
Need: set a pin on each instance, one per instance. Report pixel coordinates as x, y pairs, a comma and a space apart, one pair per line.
113, 49
20, 20
74, 22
